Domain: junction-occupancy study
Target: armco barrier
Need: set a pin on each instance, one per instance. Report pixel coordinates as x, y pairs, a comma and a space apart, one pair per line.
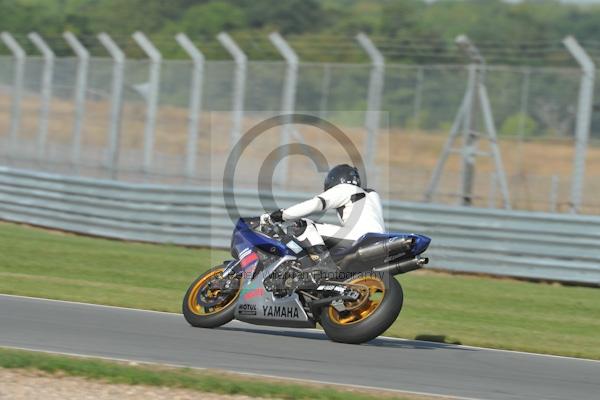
522, 244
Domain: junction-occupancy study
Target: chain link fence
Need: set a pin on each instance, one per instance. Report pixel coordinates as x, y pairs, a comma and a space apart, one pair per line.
534, 112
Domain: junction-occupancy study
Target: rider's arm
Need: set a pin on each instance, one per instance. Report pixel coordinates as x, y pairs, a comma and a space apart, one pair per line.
335, 197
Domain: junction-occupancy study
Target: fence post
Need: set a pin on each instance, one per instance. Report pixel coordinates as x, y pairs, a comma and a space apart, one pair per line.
475, 98
488, 121
195, 102
584, 116
116, 101
554, 189
17, 89
325, 83
372, 115
288, 101
418, 97
83, 57
492, 190
524, 100
151, 98
470, 136
239, 84
46, 91
523, 117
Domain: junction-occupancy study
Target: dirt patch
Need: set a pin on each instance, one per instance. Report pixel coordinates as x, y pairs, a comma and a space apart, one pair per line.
28, 384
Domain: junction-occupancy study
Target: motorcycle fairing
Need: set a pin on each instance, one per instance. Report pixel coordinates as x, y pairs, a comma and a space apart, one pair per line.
245, 237
257, 305
420, 243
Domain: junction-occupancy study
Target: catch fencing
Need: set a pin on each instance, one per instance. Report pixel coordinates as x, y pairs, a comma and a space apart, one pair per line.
509, 243
173, 121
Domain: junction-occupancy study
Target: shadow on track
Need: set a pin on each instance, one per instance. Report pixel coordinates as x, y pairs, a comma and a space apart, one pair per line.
378, 342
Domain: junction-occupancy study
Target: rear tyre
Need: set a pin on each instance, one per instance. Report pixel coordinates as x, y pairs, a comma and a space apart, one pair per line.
198, 295
369, 316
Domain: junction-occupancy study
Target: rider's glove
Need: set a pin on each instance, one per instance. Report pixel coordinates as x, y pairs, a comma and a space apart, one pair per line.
265, 219
276, 216
269, 219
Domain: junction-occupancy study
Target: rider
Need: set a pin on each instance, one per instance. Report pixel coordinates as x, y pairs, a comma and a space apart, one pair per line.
359, 211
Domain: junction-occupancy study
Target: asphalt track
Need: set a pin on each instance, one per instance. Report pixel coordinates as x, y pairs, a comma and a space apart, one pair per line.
388, 363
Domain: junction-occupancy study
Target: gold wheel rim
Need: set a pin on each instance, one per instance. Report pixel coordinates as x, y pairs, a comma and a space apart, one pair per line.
362, 308
193, 297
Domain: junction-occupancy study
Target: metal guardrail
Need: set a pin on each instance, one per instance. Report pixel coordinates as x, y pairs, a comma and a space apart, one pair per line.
521, 244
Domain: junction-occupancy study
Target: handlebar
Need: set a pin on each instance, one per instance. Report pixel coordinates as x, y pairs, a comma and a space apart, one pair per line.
275, 228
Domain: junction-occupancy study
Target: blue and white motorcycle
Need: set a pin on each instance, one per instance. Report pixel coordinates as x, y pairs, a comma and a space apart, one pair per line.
266, 283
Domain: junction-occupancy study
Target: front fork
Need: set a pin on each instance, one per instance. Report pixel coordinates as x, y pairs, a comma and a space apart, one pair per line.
231, 264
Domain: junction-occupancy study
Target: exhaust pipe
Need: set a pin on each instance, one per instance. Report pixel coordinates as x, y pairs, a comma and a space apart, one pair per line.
384, 249
378, 251
403, 267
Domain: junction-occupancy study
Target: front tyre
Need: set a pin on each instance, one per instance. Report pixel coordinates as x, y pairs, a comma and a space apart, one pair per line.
206, 307
368, 317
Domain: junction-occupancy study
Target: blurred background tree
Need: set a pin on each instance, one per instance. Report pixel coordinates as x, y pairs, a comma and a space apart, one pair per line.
414, 31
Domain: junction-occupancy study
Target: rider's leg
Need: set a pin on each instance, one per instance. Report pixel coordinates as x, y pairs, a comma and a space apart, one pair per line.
308, 234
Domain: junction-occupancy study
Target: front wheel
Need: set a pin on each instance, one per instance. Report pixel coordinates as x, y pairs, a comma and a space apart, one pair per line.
206, 306
372, 314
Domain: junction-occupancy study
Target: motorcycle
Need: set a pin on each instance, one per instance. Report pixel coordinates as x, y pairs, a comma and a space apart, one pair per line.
267, 284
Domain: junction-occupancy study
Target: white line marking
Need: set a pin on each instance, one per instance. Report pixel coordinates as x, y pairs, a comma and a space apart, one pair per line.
87, 304
243, 324
341, 385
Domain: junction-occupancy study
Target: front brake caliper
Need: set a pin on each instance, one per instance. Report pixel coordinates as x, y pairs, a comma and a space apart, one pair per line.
338, 305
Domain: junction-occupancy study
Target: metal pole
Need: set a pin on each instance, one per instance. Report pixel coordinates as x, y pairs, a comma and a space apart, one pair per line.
439, 167
488, 119
79, 97
524, 101
584, 116
46, 91
116, 102
470, 136
373, 98
469, 140
523, 116
288, 100
152, 96
325, 83
195, 102
492, 193
239, 84
17, 89
465, 118
554, 186
418, 97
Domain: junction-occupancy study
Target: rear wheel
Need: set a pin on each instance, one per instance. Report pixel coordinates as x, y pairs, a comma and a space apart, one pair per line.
368, 317
208, 307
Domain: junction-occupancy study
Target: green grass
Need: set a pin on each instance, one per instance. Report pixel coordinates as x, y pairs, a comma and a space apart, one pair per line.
478, 311
204, 381
39, 263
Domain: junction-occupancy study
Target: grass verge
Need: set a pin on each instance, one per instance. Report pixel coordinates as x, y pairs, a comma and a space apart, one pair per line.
200, 380
471, 310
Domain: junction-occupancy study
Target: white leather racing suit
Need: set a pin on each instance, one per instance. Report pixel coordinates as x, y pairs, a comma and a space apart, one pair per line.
359, 212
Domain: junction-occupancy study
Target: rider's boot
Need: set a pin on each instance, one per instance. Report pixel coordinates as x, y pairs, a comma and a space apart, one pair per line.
325, 268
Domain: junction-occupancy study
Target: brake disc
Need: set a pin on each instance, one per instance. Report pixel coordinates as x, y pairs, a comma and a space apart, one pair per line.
210, 302
209, 296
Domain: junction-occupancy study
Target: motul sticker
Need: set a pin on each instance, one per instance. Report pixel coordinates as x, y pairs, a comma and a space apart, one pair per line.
247, 309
